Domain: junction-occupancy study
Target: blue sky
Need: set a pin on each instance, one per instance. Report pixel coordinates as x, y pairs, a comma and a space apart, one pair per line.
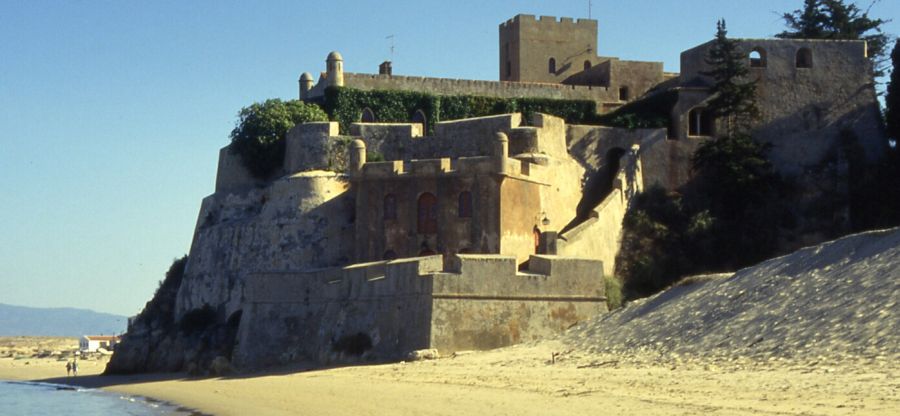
112, 112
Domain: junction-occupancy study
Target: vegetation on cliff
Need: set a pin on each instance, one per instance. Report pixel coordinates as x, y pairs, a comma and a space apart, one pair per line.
875, 201
730, 216
653, 111
260, 135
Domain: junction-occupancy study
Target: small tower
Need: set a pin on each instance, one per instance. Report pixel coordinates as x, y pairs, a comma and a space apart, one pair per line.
501, 151
306, 83
357, 156
334, 67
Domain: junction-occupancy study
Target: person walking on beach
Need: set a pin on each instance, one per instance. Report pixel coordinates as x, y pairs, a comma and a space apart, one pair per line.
74, 368
68, 368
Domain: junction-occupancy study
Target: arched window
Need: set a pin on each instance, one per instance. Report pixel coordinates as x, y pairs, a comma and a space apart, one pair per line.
624, 94
537, 239
389, 255
367, 116
508, 69
804, 58
552, 66
758, 58
700, 122
465, 204
419, 117
390, 207
587, 65
428, 215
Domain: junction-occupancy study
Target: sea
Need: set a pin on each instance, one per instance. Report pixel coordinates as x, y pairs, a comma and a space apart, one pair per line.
45, 399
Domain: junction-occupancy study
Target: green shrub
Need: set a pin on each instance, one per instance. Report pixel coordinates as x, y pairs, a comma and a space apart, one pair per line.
651, 112
260, 135
345, 105
613, 292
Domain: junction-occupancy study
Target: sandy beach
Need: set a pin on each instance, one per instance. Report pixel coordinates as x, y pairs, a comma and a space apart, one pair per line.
521, 380
811, 333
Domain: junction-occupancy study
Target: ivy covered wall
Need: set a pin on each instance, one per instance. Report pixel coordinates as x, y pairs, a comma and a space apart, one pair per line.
345, 105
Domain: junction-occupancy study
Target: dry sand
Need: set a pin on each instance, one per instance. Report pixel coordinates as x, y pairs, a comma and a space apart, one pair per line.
813, 333
520, 380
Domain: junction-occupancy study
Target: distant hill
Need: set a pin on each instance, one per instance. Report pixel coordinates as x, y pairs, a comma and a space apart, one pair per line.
60, 322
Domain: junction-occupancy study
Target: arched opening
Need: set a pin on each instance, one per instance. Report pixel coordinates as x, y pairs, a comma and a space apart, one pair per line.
587, 65
508, 69
537, 239
390, 207
367, 116
389, 255
464, 208
804, 58
551, 66
700, 122
624, 94
758, 58
419, 117
428, 215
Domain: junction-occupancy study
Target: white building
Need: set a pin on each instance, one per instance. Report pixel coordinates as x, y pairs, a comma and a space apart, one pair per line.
90, 343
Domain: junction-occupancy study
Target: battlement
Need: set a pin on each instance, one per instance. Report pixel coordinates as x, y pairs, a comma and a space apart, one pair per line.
529, 19
433, 168
410, 304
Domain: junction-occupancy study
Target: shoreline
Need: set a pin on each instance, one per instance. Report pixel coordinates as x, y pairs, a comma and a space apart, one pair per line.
517, 380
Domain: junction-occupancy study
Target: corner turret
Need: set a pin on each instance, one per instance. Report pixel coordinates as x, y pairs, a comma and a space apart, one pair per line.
306, 84
334, 67
501, 151
357, 156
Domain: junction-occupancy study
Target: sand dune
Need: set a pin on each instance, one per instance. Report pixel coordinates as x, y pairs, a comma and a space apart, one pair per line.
838, 300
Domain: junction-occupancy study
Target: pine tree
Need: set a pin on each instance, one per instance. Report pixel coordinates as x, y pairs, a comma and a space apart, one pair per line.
733, 95
833, 19
808, 23
892, 100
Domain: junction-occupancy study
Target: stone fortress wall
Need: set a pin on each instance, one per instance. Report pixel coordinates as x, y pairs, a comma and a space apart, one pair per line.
527, 47
278, 251
398, 306
804, 105
256, 246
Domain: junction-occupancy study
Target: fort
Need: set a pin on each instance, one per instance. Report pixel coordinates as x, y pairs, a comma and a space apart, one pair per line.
488, 231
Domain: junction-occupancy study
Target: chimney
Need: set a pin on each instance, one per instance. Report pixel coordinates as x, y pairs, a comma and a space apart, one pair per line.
385, 68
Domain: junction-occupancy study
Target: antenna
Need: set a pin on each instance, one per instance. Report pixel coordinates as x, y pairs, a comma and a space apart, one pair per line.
391, 38
590, 6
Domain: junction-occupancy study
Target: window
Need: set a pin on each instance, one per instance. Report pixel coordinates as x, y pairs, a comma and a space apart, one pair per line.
804, 58
465, 204
428, 214
390, 207
508, 69
419, 117
587, 65
367, 116
552, 66
537, 239
758, 58
700, 122
624, 94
